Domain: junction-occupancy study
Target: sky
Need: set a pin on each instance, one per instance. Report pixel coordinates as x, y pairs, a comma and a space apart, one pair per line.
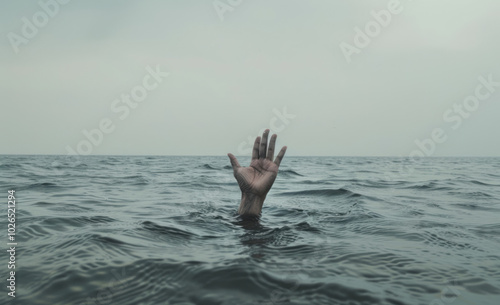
331, 78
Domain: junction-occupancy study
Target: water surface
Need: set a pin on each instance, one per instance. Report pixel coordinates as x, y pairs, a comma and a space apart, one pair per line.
163, 230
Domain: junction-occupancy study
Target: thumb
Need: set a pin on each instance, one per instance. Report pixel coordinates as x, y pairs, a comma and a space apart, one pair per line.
234, 161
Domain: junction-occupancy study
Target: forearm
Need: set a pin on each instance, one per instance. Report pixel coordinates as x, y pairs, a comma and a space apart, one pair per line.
251, 205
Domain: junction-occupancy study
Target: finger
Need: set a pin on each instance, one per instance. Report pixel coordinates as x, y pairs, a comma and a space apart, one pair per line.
255, 152
263, 144
270, 151
280, 156
234, 161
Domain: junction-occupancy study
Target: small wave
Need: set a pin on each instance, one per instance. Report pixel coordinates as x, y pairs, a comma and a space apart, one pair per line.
62, 223
276, 237
208, 166
110, 161
34, 230
306, 227
289, 172
475, 207
106, 240
166, 233
436, 239
482, 183
314, 182
66, 207
488, 230
95, 219
473, 194
434, 186
324, 193
367, 172
44, 186
8, 165
133, 180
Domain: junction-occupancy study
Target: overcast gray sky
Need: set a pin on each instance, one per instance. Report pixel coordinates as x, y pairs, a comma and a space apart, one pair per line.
236, 67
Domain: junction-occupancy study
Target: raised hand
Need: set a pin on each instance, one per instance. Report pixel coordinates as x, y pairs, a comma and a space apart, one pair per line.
256, 180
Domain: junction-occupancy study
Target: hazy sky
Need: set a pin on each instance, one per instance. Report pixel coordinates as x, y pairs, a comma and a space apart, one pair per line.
425, 68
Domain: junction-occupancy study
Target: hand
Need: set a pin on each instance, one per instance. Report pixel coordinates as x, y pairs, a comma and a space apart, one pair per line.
256, 180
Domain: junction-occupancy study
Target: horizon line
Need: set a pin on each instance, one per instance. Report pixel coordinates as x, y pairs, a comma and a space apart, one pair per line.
225, 155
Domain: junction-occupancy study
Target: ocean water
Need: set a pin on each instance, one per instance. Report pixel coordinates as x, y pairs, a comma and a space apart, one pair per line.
334, 230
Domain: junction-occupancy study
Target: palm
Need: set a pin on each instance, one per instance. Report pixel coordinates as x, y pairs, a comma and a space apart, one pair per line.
258, 178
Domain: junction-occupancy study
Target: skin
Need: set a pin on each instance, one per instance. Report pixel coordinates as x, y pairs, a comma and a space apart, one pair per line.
256, 180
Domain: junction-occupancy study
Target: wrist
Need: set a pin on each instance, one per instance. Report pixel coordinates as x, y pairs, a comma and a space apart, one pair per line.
251, 204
